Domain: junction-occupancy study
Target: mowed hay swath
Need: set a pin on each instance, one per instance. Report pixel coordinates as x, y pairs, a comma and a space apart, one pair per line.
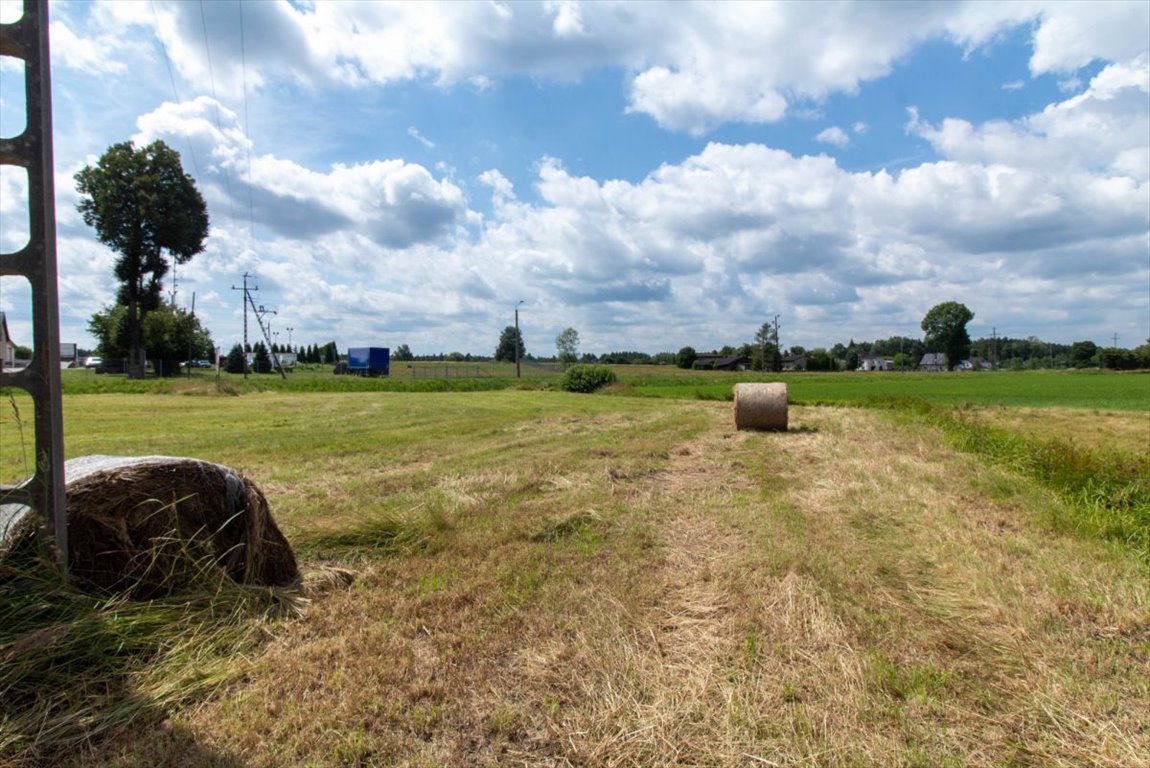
761, 406
148, 525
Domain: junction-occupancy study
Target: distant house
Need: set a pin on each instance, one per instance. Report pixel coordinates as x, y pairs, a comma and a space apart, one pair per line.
7, 347
932, 361
974, 364
876, 364
794, 362
721, 363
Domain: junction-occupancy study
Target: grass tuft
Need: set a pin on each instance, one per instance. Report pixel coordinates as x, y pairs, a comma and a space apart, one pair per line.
386, 534
74, 666
571, 527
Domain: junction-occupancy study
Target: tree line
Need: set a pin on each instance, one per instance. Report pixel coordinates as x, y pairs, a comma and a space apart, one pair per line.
142, 205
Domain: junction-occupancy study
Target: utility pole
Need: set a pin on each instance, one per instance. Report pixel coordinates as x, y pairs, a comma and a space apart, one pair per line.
266, 331
289, 330
1116, 341
517, 339
247, 300
192, 330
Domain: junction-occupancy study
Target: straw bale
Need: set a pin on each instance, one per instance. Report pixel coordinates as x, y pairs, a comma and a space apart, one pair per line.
148, 525
761, 406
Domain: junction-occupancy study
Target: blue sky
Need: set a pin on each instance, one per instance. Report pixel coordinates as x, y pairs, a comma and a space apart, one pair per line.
651, 174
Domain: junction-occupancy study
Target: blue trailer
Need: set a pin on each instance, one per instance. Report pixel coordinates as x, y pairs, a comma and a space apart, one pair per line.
368, 361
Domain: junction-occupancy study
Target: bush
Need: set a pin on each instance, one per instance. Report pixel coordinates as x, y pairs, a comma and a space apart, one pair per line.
586, 378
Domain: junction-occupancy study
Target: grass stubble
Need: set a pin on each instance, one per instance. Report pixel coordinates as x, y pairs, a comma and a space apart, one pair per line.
545, 580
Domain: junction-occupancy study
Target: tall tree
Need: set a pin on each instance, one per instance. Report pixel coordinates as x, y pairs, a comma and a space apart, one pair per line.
765, 339
141, 204
567, 344
507, 342
945, 329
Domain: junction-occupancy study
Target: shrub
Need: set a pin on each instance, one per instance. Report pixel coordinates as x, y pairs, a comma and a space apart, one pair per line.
586, 378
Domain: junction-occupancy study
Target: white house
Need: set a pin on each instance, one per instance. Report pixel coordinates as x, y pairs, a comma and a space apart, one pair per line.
7, 347
876, 364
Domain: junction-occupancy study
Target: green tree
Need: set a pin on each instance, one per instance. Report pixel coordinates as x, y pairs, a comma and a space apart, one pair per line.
169, 334
567, 344
236, 360
686, 357
1118, 359
1141, 354
141, 203
945, 329
172, 334
820, 360
508, 340
261, 360
1082, 353
765, 338
107, 327
402, 353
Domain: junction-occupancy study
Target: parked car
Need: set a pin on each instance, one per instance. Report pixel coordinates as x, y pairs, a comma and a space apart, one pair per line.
93, 362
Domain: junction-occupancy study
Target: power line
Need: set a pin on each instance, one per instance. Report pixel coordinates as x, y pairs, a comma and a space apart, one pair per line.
216, 104
247, 120
175, 91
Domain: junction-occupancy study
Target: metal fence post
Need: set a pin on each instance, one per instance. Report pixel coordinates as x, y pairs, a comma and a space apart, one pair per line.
27, 39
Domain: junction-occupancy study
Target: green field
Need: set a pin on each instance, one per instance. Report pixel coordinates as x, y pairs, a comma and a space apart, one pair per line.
543, 578
1095, 390
1035, 389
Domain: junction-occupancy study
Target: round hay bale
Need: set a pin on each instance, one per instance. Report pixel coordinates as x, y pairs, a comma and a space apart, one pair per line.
761, 406
147, 526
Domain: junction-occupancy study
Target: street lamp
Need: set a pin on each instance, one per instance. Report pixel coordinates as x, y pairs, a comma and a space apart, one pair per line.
289, 330
517, 337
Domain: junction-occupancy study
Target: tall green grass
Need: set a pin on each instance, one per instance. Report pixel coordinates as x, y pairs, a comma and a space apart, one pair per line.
1106, 493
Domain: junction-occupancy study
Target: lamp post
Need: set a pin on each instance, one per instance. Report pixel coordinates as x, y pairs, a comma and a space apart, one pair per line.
517, 337
289, 330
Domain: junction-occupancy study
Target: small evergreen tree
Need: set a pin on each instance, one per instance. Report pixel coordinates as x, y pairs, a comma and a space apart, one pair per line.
235, 360
262, 362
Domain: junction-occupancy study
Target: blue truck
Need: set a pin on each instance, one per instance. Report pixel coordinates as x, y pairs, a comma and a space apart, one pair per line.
368, 361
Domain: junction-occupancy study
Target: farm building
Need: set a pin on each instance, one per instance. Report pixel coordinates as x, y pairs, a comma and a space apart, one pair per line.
794, 362
721, 363
876, 364
932, 361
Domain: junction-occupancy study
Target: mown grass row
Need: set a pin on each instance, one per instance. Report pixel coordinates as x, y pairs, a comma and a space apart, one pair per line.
1106, 493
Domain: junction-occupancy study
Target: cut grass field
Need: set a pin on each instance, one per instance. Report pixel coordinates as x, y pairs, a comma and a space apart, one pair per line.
553, 579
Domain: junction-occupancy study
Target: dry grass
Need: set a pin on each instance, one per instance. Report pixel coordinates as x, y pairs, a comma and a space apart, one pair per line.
1126, 431
638, 584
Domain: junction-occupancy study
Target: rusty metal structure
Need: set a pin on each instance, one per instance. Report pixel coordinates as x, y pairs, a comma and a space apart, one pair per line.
27, 39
